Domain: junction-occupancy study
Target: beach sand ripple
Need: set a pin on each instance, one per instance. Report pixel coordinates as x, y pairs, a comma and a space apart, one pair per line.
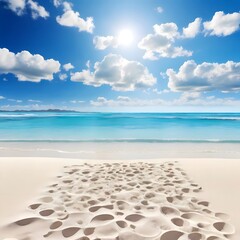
122, 201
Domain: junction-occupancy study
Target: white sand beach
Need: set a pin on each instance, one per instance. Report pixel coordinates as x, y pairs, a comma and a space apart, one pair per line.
102, 194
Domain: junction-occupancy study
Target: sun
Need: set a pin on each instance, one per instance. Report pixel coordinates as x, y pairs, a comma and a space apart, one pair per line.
125, 37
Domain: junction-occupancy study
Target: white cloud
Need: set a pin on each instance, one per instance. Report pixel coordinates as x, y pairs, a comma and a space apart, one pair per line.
68, 66
73, 19
223, 24
168, 30
102, 42
123, 101
57, 3
85, 76
19, 7
190, 96
159, 9
186, 99
62, 76
161, 43
27, 67
124, 98
205, 77
15, 100
33, 101
67, 6
37, 10
1, 97
77, 101
193, 29
117, 72
101, 101
88, 63
210, 101
155, 90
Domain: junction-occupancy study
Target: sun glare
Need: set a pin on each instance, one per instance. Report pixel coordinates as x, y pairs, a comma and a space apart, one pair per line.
125, 37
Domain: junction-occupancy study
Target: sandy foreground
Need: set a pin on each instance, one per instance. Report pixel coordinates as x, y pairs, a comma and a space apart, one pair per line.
160, 198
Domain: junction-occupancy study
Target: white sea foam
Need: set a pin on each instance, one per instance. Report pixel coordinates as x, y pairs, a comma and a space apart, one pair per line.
16, 115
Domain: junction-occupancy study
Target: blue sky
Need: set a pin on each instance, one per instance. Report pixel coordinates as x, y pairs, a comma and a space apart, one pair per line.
128, 55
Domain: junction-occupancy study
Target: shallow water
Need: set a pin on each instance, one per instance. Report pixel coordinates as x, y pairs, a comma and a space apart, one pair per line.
152, 127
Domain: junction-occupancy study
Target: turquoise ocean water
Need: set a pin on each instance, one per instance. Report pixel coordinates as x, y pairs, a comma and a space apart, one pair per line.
73, 126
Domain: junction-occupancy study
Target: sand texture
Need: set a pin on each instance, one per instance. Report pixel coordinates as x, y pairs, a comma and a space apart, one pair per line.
129, 201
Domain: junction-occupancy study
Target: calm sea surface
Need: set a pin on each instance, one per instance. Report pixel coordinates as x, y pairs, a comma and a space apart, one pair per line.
68, 126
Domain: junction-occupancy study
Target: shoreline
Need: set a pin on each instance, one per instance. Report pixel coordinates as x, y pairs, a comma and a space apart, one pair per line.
120, 150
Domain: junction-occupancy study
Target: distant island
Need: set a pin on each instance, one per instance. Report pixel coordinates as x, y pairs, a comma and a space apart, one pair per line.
47, 110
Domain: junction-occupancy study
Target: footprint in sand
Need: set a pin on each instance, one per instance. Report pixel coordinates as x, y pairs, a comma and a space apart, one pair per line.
26, 221
171, 235
223, 227
68, 232
137, 201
